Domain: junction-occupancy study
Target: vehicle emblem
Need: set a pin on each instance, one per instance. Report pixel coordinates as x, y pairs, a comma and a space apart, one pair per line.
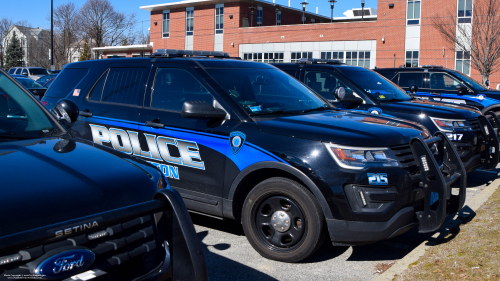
65, 264
236, 140
481, 97
375, 110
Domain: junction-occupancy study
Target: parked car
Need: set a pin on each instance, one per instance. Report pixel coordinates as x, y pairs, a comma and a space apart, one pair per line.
44, 79
34, 87
442, 84
32, 72
243, 140
72, 209
360, 89
49, 83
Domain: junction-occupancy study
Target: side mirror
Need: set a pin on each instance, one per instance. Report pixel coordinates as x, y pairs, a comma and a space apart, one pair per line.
343, 95
461, 89
487, 83
201, 109
66, 110
25, 73
413, 88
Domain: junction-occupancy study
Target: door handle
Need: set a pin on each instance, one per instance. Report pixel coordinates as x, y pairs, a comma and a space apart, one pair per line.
86, 113
155, 124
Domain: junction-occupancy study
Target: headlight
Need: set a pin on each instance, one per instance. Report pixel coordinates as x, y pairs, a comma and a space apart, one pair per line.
359, 158
448, 125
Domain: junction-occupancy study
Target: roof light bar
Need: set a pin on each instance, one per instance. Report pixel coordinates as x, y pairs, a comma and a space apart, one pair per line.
432, 66
180, 53
316, 61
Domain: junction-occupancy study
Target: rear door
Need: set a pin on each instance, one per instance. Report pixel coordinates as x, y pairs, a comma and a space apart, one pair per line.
190, 151
109, 111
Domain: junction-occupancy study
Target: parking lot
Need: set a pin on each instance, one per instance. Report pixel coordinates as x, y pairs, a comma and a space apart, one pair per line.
229, 256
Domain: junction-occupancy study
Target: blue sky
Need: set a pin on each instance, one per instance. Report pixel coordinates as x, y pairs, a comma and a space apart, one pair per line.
37, 12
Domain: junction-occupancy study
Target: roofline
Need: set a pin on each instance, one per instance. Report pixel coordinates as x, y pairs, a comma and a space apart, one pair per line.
194, 3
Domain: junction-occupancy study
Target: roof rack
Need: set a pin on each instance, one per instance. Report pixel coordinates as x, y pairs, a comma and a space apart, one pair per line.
432, 66
316, 61
172, 53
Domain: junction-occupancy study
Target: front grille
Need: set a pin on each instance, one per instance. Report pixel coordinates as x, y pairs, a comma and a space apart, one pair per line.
474, 123
405, 156
125, 251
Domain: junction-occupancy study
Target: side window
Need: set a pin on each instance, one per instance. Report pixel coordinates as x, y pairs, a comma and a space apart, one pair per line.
96, 93
173, 87
125, 85
442, 81
12, 70
411, 78
66, 82
324, 83
291, 72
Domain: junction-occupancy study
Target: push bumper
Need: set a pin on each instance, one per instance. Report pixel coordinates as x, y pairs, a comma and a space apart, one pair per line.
490, 155
438, 171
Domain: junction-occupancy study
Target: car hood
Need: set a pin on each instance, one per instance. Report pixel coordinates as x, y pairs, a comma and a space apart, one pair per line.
48, 181
36, 77
345, 128
433, 109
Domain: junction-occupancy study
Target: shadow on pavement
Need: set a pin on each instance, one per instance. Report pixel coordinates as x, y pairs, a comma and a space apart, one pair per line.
478, 178
222, 268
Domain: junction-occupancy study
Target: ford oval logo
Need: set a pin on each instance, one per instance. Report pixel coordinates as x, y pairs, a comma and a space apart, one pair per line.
65, 264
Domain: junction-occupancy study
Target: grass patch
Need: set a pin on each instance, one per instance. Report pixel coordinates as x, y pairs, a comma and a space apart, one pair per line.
473, 254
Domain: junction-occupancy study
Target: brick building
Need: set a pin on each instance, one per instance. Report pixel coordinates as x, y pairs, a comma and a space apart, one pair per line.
397, 33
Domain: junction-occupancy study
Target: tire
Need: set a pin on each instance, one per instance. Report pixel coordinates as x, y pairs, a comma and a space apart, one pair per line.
299, 232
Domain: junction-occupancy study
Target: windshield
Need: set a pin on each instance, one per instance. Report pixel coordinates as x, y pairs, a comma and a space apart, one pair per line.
262, 91
20, 116
28, 83
375, 85
38, 71
469, 81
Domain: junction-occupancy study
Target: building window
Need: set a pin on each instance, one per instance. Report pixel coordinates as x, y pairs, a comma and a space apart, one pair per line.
464, 11
413, 15
273, 57
313, 21
166, 24
296, 56
253, 56
364, 59
411, 58
219, 19
259, 16
189, 21
333, 56
462, 62
351, 58
361, 58
278, 18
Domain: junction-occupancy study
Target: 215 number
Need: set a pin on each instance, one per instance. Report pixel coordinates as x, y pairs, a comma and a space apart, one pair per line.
378, 179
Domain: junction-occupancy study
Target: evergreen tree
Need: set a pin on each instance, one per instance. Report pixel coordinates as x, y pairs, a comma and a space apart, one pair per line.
85, 55
13, 53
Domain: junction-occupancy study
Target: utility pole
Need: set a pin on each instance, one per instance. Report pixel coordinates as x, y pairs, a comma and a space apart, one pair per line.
251, 12
304, 4
332, 3
362, 10
52, 68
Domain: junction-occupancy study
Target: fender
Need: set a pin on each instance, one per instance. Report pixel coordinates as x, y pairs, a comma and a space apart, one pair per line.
228, 203
495, 107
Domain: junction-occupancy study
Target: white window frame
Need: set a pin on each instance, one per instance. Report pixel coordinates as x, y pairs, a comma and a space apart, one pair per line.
413, 18
190, 32
300, 55
260, 18
413, 57
463, 60
219, 27
465, 18
163, 24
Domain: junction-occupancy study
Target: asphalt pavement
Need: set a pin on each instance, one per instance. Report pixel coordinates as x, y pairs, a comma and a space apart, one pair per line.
229, 256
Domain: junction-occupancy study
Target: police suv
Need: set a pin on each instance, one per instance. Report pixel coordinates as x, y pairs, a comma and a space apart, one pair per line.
442, 84
360, 89
71, 211
243, 140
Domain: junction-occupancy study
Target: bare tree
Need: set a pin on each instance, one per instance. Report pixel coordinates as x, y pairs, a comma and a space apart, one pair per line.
67, 34
480, 39
5, 24
103, 25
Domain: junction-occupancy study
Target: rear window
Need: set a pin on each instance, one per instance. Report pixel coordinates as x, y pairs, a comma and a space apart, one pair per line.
38, 71
66, 82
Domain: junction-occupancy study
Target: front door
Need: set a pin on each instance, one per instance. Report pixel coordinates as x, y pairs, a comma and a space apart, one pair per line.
190, 151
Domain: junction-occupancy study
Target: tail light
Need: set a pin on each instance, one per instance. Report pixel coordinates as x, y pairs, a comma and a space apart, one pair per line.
44, 103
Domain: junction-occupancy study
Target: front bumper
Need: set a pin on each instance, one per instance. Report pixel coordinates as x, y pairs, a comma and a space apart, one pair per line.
431, 181
155, 240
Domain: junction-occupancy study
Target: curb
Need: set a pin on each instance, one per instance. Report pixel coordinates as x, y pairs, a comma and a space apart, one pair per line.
449, 224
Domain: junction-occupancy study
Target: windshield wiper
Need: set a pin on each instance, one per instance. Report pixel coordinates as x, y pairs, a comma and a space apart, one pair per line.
321, 108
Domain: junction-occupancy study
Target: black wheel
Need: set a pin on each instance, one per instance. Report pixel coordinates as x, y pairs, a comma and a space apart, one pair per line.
283, 221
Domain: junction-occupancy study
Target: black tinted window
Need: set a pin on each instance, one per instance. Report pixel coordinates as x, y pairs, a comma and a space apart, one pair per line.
442, 81
12, 70
412, 78
324, 83
173, 87
125, 85
66, 82
96, 93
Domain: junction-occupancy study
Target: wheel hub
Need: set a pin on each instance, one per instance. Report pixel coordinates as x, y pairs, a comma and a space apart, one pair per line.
281, 221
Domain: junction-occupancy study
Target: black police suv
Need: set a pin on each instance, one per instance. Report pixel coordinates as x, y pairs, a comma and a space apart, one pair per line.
442, 84
69, 210
245, 141
360, 89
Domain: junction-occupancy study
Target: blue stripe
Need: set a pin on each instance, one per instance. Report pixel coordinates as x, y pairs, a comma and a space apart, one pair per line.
248, 155
485, 102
